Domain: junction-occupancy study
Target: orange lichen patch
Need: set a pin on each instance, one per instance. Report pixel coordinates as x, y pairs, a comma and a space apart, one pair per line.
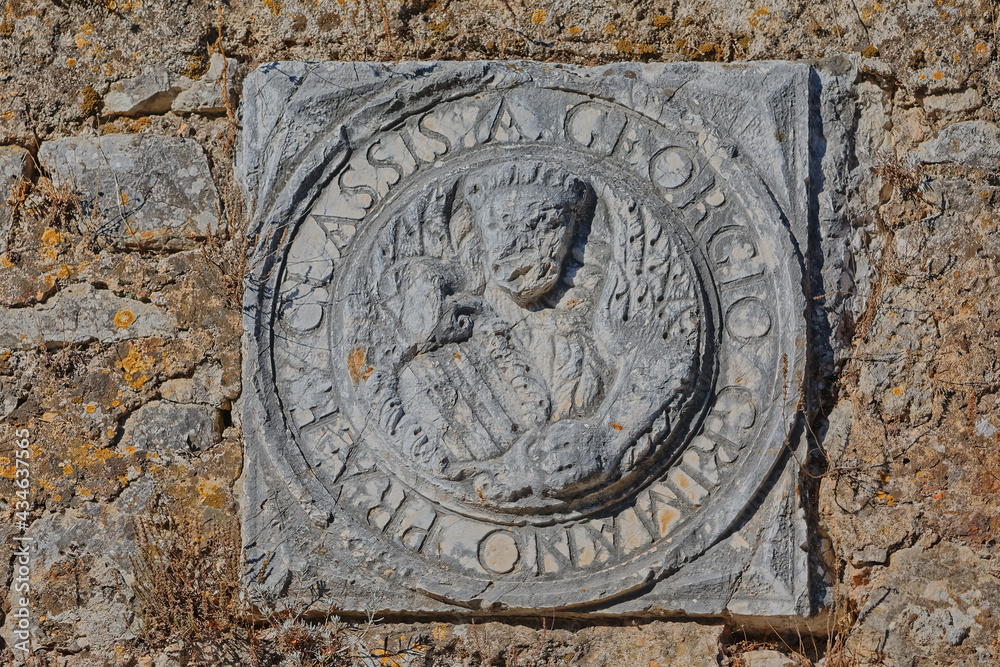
67, 469
440, 632
4, 356
208, 493
610, 29
82, 43
134, 364
356, 364
661, 22
71, 62
49, 281
131, 450
51, 237
91, 408
124, 318
88, 455
755, 18
574, 30
617, 426
980, 49
367, 373
274, 5
5, 262
538, 16
63, 272
937, 76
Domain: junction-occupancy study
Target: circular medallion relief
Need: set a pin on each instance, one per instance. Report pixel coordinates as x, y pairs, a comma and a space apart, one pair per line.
533, 336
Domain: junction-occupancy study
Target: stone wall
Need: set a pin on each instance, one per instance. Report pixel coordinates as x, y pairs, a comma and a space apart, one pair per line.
121, 283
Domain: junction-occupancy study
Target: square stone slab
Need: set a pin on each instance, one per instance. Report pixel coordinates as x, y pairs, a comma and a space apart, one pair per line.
527, 337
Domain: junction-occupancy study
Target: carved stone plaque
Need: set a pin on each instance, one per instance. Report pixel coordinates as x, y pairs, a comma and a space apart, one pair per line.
527, 337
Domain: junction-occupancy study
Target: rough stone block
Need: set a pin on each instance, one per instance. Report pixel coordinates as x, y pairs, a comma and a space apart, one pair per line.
205, 95
528, 337
151, 191
82, 314
151, 92
975, 143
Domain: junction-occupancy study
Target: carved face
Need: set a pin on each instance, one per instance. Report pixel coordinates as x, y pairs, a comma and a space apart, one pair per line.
527, 232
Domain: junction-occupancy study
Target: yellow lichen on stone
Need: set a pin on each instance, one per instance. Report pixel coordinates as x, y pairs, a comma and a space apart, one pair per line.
274, 5
355, 364
52, 237
538, 16
92, 101
755, 18
134, 364
124, 318
575, 30
208, 493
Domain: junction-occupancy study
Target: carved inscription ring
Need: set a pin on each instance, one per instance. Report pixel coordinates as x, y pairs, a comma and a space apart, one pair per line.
536, 337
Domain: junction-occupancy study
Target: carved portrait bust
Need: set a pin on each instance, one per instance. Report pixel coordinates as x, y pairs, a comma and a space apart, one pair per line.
506, 352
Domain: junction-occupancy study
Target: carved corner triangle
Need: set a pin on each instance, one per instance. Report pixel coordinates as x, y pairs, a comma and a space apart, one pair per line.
760, 569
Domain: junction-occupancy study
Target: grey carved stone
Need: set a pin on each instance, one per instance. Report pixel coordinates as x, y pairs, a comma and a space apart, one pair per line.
527, 337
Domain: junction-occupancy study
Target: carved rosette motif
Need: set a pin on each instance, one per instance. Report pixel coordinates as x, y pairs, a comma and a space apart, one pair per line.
530, 335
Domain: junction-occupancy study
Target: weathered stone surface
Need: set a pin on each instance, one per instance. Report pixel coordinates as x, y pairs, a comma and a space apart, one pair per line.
766, 658
205, 95
170, 427
150, 191
952, 104
916, 612
537, 337
15, 164
151, 92
491, 643
80, 314
975, 143
206, 387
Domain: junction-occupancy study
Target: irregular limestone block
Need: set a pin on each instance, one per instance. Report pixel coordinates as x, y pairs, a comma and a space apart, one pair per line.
525, 337
952, 104
975, 143
15, 164
80, 314
151, 92
151, 191
165, 426
205, 95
